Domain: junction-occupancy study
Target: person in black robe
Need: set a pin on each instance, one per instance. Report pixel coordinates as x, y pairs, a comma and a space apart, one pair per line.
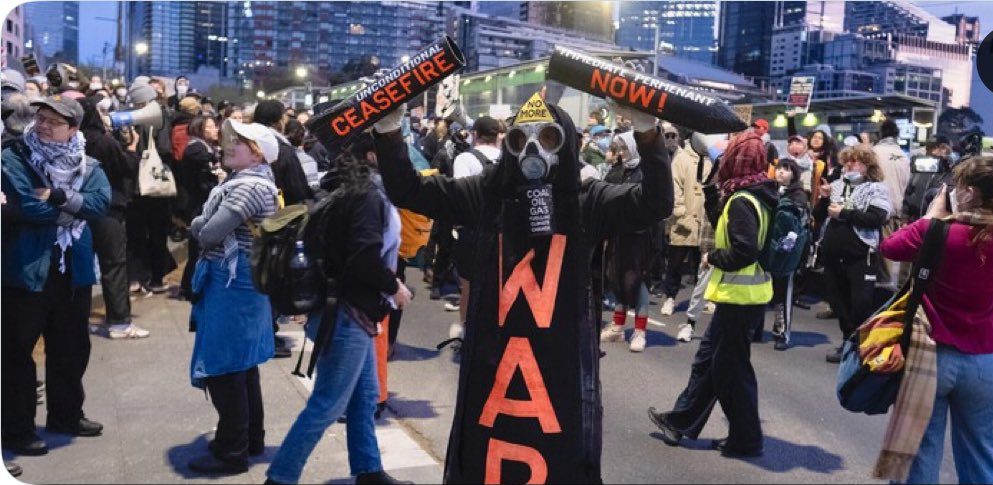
529, 406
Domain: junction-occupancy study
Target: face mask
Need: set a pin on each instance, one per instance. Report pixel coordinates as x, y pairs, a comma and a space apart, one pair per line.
536, 146
603, 144
104, 105
181, 90
852, 177
632, 163
953, 158
96, 86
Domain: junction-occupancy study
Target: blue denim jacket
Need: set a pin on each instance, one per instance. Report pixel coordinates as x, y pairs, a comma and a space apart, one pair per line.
29, 227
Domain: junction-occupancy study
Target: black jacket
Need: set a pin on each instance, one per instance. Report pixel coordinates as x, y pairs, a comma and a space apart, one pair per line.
289, 175
353, 241
743, 228
199, 179
120, 166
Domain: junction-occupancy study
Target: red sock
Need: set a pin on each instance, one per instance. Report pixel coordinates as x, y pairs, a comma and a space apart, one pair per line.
641, 322
620, 317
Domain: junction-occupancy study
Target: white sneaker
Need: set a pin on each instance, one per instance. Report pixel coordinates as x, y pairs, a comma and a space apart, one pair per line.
613, 333
451, 307
637, 341
668, 307
709, 307
685, 333
131, 331
456, 330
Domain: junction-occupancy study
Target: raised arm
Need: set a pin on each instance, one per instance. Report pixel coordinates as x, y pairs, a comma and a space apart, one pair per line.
436, 196
615, 208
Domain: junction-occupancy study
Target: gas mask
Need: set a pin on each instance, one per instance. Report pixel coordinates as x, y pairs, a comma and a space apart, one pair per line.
536, 146
535, 140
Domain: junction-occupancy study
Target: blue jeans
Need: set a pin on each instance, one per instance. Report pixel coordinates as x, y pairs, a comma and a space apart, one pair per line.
965, 388
345, 384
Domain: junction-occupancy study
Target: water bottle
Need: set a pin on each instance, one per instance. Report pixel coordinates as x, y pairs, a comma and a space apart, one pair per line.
303, 293
788, 242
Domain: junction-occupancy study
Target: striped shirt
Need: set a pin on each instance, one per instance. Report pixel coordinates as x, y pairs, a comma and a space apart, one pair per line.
248, 199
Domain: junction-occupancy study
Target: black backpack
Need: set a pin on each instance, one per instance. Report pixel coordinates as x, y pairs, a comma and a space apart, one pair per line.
292, 292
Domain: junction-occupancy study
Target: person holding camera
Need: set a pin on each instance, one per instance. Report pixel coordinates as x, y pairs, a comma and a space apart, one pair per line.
928, 173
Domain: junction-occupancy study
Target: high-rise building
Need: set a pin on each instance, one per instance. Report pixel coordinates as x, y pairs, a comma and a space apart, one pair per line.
683, 29
500, 8
896, 17
491, 42
53, 29
270, 37
966, 28
746, 30
210, 36
595, 19
162, 38
13, 37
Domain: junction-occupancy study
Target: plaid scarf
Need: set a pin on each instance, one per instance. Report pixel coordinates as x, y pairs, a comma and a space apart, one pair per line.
975, 217
914, 405
64, 166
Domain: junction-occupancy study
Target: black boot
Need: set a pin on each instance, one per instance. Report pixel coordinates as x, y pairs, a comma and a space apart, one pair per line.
14, 469
27, 445
213, 463
379, 477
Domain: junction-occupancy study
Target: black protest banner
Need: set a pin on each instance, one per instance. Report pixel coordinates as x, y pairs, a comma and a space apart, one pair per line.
670, 101
401, 84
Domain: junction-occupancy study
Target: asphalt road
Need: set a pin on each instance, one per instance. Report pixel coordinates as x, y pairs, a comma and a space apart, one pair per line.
809, 438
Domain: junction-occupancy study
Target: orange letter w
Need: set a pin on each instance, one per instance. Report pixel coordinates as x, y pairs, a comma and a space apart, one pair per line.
522, 279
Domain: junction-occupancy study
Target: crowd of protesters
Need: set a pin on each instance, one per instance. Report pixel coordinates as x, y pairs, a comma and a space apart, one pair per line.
73, 215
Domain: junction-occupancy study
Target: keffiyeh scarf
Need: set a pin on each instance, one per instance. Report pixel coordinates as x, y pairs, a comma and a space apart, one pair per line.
860, 197
64, 166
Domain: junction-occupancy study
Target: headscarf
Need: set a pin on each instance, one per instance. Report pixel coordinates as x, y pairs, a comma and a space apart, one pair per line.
743, 163
628, 139
65, 166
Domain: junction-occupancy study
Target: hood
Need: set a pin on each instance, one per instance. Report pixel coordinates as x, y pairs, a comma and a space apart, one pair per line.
91, 116
767, 192
565, 175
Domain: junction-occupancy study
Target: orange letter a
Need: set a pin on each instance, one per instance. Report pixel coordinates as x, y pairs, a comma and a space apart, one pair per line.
499, 451
522, 279
518, 354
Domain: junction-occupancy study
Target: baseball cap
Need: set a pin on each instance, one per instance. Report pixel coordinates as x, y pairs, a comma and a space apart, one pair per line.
597, 129
761, 123
68, 108
261, 135
268, 112
488, 126
796, 138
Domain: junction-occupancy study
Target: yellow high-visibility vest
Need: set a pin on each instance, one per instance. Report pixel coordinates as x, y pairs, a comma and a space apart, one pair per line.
750, 285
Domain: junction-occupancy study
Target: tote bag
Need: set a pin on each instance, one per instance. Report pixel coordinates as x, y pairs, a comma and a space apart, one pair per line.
872, 359
155, 178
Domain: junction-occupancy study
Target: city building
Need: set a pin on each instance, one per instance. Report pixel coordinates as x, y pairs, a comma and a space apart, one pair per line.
593, 19
210, 36
500, 8
966, 28
892, 16
746, 30
491, 42
162, 38
13, 37
270, 39
53, 30
683, 29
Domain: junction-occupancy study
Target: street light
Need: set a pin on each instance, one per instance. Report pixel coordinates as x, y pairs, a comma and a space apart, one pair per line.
301, 72
141, 48
404, 59
260, 94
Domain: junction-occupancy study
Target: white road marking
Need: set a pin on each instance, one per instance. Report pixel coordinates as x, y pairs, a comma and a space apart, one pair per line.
397, 449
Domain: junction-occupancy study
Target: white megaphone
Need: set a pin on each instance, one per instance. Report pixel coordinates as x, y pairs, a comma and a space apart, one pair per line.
150, 115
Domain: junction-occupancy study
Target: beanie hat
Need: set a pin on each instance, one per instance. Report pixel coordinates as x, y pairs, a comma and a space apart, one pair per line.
268, 112
142, 93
